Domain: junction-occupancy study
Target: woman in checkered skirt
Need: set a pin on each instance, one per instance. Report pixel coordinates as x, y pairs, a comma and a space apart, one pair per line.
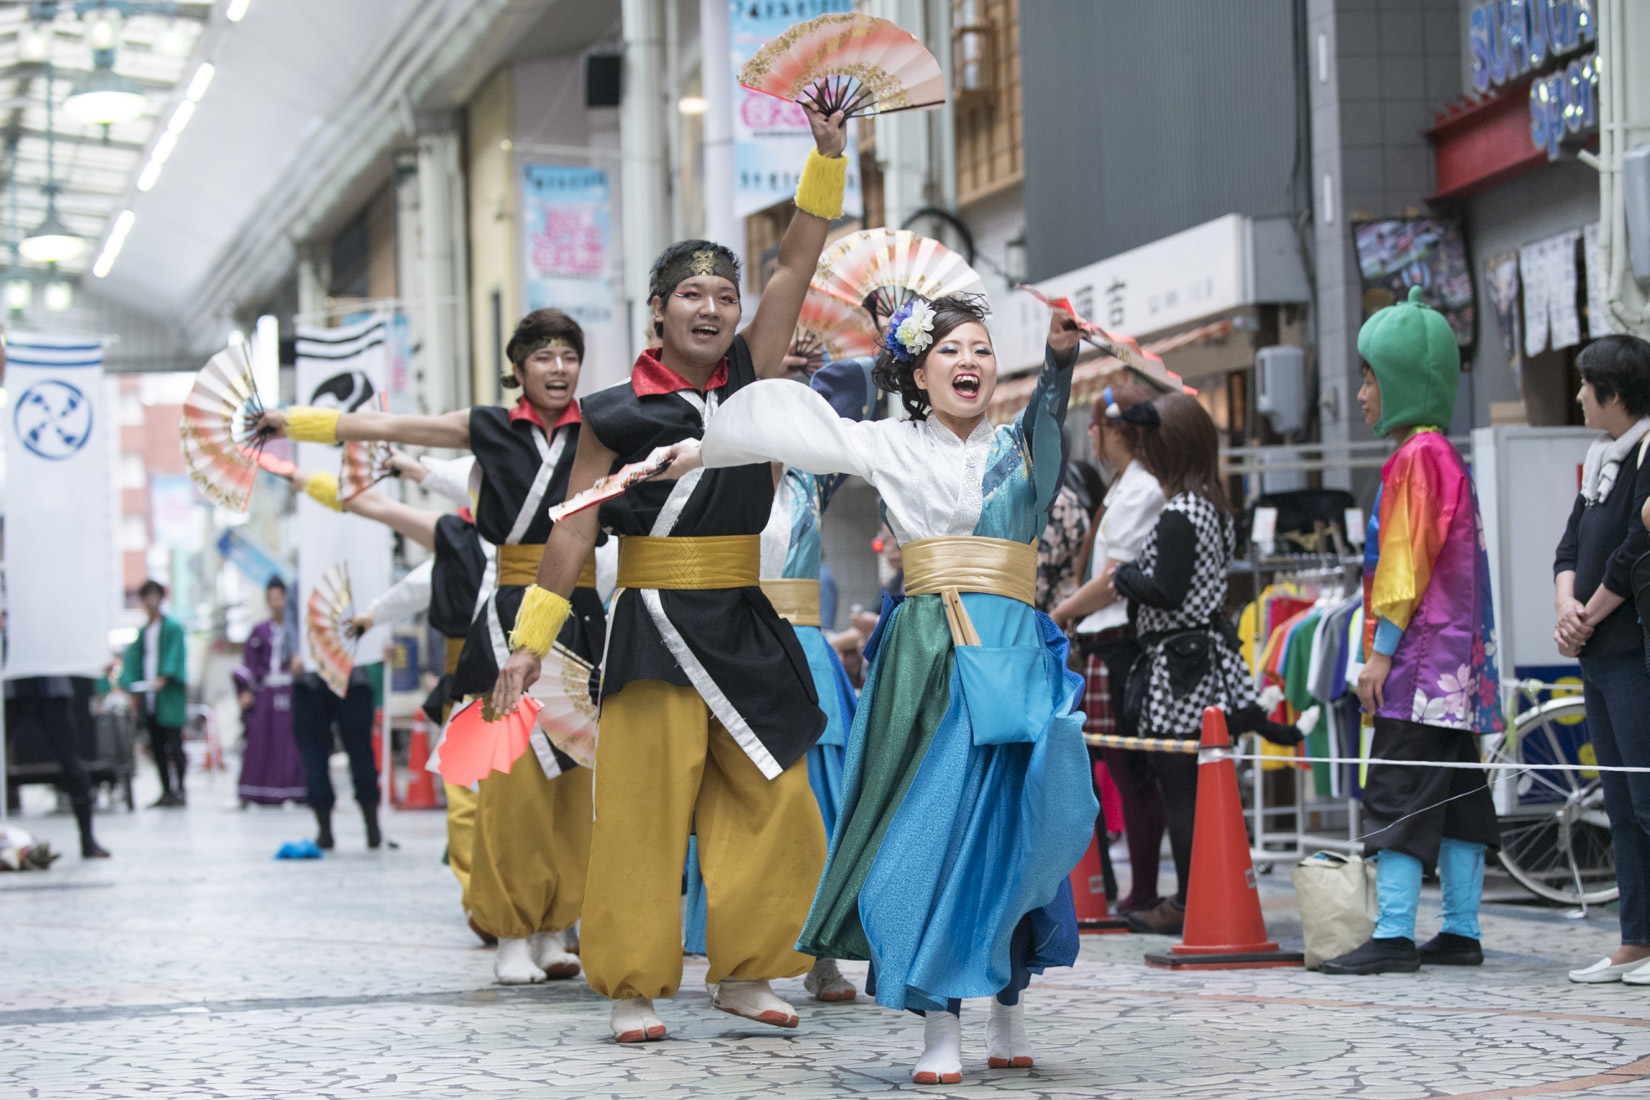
1106, 638
1189, 651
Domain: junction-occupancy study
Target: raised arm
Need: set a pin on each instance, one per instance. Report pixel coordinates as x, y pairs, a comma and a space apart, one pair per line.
818, 200
417, 524
308, 424
545, 606
1042, 422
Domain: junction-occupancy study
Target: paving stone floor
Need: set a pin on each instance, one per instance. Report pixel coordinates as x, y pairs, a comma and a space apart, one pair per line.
193, 965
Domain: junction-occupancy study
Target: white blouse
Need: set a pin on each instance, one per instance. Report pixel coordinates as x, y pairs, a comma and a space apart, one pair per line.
929, 480
1132, 506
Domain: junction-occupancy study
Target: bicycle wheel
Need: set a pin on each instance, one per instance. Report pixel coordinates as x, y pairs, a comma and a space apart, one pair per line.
1555, 835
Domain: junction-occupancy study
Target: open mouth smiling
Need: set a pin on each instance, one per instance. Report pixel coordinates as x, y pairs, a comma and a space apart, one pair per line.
966, 386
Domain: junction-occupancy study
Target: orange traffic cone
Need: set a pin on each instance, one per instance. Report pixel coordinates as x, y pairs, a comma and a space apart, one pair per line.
1224, 929
420, 784
1088, 893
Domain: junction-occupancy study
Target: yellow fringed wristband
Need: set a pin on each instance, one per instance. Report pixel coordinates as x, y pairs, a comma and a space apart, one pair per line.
322, 488
308, 424
539, 620
820, 191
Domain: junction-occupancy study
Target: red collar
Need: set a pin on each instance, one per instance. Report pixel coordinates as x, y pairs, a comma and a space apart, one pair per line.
524, 410
650, 377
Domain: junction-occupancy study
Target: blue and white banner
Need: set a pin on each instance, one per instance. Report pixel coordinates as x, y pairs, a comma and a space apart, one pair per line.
341, 368
59, 565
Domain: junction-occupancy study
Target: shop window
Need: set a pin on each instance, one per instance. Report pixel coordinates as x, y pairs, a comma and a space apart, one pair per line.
985, 52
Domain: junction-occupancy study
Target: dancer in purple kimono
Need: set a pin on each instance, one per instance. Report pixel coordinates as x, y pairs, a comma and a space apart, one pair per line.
1429, 679
271, 769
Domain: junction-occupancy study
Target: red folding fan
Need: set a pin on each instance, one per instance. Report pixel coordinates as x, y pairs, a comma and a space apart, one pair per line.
1125, 349
857, 64
474, 747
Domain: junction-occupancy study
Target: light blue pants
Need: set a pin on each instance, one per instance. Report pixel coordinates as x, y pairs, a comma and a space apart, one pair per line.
1398, 889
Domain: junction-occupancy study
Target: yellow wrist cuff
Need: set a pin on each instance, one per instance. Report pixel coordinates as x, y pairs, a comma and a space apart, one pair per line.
322, 488
820, 191
539, 620
307, 424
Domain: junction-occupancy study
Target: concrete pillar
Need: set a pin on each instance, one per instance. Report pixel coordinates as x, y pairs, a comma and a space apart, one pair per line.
442, 273
641, 144
722, 224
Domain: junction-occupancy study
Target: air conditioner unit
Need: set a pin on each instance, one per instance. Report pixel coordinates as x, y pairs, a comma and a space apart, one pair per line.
1280, 387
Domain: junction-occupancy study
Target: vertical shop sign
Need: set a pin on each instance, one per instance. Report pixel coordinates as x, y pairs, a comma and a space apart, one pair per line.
770, 136
567, 250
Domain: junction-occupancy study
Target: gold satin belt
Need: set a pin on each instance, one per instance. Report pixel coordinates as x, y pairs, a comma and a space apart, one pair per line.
795, 598
715, 561
518, 563
455, 646
971, 563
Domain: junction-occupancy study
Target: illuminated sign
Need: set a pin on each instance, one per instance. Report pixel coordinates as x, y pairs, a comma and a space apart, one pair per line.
1512, 38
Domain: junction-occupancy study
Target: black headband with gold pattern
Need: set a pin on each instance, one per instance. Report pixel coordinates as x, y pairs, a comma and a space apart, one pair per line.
701, 261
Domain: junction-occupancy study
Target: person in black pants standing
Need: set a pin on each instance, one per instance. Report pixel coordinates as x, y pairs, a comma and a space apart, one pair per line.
40, 710
318, 716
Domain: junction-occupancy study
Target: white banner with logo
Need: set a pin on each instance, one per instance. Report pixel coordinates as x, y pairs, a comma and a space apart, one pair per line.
59, 568
341, 368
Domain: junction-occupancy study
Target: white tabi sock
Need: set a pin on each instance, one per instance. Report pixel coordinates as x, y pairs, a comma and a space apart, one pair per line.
633, 1021
941, 1061
1005, 1036
826, 982
550, 955
514, 964
754, 1001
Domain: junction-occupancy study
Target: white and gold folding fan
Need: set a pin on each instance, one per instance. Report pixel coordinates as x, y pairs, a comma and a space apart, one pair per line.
882, 269
219, 451
849, 62
331, 641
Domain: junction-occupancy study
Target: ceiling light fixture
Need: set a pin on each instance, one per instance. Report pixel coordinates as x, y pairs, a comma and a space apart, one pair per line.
117, 241
150, 173
236, 10
51, 242
59, 295
103, 97
181, 116
34, 42
691, 105
197, 84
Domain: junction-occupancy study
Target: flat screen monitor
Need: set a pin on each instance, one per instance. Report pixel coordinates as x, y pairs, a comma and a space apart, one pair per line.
1395, 254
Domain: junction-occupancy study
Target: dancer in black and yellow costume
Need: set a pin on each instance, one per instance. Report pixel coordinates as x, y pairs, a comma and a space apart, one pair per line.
532, 838
708, 705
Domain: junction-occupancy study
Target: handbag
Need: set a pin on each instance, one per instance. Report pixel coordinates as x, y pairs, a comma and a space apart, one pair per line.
1337, 900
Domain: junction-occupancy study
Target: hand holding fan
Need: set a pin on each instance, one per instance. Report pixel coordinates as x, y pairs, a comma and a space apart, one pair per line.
1125, 349
331, 643
830, 327
364, 464
475, 745
565, 693
612, 485
857, 64
219, 450
882, 269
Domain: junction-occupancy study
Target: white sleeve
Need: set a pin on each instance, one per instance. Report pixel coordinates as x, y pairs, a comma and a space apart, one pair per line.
1128, 522
449, 478
778, 420
405, 598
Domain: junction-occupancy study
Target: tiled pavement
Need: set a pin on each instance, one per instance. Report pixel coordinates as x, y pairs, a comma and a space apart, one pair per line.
193, 965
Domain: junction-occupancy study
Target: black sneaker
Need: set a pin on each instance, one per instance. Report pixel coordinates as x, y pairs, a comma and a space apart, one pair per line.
1448, 949
1396, 955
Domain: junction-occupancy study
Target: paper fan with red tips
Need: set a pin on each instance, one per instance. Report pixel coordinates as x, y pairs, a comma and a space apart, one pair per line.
613, 485
270, 462
363, 464
1125, 349
829, 328
220, 453
565, 693
331, 641
844, 61
474, 748
882, 269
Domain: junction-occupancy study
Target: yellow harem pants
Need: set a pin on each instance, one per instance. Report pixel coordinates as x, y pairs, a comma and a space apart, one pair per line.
461, 827
665, 765
531, 850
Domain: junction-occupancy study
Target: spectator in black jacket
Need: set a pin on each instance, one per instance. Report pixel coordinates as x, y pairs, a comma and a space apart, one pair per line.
1598, 623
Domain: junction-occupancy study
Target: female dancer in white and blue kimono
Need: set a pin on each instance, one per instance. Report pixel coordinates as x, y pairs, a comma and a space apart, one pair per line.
967, 796
792, 550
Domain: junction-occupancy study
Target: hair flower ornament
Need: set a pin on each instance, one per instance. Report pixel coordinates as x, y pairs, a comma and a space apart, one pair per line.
910, 330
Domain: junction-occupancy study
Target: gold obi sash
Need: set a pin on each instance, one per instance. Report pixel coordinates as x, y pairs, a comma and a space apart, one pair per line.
518, 563
455, 646
715, 561
795, 598
949, 565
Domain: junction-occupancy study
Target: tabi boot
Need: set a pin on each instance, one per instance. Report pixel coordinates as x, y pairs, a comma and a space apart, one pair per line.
323, 832
1448, 949
1396, 955
369, 814
941, 1061
826, 982
1006, 1044
549, 952
514, 964
633, 1021
754, 1001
